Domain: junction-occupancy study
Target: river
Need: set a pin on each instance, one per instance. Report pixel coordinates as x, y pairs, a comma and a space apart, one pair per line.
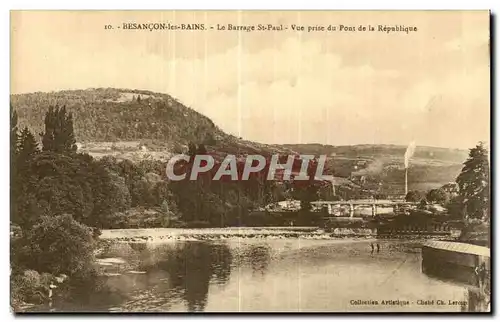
263, 275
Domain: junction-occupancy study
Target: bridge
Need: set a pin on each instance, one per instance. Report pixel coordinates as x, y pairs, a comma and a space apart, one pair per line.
374, 204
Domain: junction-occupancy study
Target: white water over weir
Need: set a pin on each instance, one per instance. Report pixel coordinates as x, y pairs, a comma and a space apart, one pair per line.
153, 235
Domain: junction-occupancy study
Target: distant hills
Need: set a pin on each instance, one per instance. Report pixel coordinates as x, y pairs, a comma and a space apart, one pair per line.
396, 152
381, 167
105, 116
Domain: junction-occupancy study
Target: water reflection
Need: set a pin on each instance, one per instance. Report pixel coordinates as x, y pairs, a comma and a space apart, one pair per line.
272, 275
172, 273
221, 260
190, 267
259, 256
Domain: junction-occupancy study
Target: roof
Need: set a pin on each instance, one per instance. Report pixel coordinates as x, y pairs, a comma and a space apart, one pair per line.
459, 247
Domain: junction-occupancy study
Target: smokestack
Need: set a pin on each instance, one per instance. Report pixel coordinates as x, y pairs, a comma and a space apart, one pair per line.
406, 181
410, 150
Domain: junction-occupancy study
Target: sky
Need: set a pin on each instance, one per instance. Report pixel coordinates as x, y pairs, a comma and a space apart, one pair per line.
431, 86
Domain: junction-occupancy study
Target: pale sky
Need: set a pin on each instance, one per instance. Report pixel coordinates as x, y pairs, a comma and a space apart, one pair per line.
431, 86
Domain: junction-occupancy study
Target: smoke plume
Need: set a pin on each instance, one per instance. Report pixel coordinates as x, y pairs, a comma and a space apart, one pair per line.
374, 168
410, 150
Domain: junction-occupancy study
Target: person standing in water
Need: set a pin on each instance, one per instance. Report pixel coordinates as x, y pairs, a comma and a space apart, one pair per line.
378, 248
373, 248
51, 287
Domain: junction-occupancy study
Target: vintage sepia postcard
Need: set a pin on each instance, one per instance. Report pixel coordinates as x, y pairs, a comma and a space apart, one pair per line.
250, 161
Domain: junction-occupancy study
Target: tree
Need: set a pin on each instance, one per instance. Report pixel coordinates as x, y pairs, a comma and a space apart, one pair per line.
451, 188
210, 139
380, 196
14, 139
192, 150
307, 190
73, 184
141, 193
59, 136
201, 149
61, 194
161, 193
48, 136
306, 195
109, 196
68, 140
28, 147
437, 196
119, 191
60, 245
422, 205
455, 207
25, 210
474, 184
23, 205
13, 134
414, 196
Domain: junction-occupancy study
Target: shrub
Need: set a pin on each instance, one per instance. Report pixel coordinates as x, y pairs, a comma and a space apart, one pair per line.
438, 196
414, 196
29, 286
60, 245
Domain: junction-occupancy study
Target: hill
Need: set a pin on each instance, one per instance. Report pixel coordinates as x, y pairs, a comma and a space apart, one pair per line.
108, 116
138, 124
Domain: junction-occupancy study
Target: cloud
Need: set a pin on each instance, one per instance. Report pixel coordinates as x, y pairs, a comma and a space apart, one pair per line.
468, 40
293, 88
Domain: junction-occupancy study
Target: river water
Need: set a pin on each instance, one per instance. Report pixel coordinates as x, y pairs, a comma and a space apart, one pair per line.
263, 275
